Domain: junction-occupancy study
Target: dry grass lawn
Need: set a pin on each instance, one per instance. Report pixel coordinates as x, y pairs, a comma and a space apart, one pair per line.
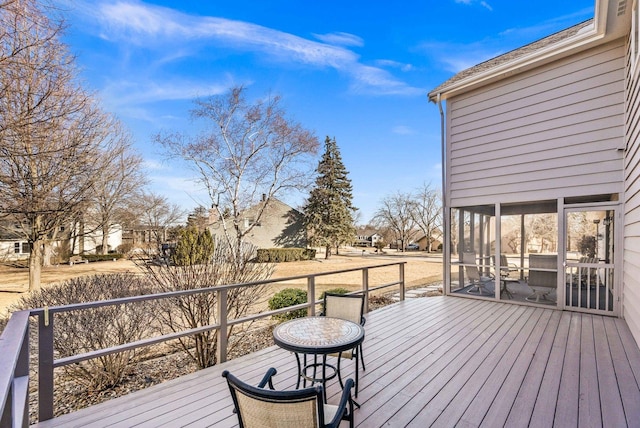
420, 269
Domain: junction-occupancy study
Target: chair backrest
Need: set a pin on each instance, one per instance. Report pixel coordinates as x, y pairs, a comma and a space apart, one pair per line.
265, 408
348, 307
543, 278
505, 267
470, 266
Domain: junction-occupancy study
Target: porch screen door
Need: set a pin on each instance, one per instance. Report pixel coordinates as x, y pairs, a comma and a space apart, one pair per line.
590, 260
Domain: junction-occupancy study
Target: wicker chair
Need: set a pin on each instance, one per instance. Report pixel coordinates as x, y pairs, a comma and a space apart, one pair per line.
351, 308
300, 408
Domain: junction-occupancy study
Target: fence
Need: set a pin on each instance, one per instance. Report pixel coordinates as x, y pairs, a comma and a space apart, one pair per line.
14, 342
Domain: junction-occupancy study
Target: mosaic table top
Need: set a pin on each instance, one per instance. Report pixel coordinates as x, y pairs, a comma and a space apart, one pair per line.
318, 335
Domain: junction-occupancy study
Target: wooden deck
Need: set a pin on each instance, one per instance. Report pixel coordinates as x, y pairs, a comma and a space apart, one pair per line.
439, 361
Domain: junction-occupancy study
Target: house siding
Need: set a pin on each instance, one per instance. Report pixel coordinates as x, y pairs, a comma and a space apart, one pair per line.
631, 262
551, 132
280, 227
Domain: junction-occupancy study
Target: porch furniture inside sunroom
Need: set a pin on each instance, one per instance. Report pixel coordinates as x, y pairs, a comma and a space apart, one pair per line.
542, 276
506, 269
265, 408
478, 282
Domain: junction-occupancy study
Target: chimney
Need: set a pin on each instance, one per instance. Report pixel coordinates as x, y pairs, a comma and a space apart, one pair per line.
264, 197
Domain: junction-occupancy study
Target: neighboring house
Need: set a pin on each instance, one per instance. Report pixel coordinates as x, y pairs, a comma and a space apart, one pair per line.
422, 243
367, 237
280, 226
88, 242
144, 236
544, 140
13, 245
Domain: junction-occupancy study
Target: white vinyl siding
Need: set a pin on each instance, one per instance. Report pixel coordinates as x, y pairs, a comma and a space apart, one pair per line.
631, 267
554, 131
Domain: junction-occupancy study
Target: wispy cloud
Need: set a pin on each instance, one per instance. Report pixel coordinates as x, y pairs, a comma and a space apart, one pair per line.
340, 39
486, 5
402, 130
395, 64
141, 91
150, 26
471, 2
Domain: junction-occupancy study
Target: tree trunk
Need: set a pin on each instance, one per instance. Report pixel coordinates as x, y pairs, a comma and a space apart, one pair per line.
105, 239
327, 251
35, 265
81, 237
47, 252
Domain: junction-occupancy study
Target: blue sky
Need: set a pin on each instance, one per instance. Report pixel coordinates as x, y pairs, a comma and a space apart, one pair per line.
358, 71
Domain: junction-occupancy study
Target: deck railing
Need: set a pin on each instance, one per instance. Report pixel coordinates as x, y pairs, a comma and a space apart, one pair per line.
14, 342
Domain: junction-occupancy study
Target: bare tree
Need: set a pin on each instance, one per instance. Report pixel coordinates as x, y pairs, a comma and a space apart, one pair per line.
199, 310
122, 180
198, 218
158, 215
542, 229
52, 136
251, 153
427, 213
396, 214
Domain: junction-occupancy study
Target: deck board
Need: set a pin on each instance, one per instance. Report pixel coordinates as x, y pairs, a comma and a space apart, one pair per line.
439, 361
526, 397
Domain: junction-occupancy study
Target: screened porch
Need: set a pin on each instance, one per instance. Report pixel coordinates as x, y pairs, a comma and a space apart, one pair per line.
557, 253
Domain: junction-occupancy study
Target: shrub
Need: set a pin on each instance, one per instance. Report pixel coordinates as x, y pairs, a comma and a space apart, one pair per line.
101, 257
334, 291
279, 255
200, 309
193, 247
125, 248
81, 331
285, 298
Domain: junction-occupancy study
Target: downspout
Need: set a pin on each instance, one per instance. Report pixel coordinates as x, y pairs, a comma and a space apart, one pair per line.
446, 253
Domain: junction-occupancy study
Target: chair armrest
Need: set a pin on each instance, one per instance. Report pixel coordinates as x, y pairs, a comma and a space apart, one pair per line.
268, 378
342, 405
363, 320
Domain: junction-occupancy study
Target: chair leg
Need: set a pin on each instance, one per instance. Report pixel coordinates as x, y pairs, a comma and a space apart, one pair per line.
338, 370
361, 356
357, 376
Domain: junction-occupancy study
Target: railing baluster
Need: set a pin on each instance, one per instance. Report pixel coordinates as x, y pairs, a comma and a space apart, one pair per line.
365, 288
402, 287
311, 295
222, 332
45, 365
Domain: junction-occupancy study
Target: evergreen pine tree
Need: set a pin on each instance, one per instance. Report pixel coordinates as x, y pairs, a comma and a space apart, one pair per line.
329, 210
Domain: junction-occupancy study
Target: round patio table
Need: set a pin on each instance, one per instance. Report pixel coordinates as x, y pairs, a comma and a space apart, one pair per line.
318, 336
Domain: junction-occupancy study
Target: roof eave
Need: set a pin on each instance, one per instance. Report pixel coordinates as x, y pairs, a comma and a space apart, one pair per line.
580, 41
519, 65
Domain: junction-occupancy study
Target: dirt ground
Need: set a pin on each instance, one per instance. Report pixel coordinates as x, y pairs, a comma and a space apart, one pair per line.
420, 269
